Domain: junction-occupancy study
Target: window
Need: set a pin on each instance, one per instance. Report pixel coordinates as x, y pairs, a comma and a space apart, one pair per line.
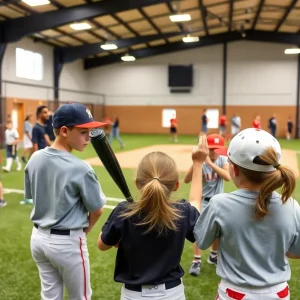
29, 65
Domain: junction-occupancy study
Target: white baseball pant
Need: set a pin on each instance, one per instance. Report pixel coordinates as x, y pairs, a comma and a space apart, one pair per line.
62, 260
176, 293
229, 291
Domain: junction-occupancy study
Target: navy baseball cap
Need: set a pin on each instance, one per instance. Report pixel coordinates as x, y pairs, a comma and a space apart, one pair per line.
75, 114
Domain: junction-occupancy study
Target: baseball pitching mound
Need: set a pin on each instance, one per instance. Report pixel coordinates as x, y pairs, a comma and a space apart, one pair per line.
182, 156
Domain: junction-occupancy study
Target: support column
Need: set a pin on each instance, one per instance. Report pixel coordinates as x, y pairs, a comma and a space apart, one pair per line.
297, 129
224, 78
57, 68
2, 106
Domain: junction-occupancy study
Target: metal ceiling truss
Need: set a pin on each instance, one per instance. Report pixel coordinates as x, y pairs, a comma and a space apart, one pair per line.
230, 36
52, 19
69, 54
288, 10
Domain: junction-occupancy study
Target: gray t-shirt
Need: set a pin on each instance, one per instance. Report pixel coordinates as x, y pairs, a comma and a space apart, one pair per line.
251, 252
63, 188
28, 127
212, 183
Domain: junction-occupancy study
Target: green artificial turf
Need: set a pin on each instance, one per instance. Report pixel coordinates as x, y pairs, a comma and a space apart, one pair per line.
18, 273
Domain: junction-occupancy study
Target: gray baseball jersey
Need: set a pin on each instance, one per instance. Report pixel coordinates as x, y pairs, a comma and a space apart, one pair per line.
63, 188
211, 182
251, 252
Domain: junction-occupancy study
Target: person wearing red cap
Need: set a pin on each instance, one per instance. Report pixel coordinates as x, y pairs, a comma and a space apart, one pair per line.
215, 170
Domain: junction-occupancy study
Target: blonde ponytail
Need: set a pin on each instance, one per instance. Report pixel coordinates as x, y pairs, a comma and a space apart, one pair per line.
157, 176
282, 177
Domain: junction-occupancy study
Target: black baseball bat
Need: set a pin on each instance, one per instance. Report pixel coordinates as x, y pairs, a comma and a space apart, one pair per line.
109, 160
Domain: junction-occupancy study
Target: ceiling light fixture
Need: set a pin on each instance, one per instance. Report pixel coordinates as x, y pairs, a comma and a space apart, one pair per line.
80, 26
190, 39
292, 51
109, 46
128, 57
36, 2
242, 31
180, 18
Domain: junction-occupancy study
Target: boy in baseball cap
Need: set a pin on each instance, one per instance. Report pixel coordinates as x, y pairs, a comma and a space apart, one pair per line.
67, 202
257, 227
215, 171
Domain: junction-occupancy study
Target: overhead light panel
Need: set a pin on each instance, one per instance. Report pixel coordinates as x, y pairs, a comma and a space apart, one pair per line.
292, 51
190, 39
80, 26
128, 57
109, 46
36, 2
180, 18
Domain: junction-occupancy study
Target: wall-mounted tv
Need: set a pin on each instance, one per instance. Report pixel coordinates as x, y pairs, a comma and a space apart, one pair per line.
180, 75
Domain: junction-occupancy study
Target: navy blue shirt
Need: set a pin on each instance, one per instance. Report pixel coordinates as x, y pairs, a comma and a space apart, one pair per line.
148, 258
49, 128
116, 124
204, 119
272, 123
38, 136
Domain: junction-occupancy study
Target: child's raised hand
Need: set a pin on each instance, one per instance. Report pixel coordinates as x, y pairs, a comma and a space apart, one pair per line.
200, 152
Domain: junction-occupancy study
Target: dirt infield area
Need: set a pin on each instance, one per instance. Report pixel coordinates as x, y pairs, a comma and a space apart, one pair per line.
182, 156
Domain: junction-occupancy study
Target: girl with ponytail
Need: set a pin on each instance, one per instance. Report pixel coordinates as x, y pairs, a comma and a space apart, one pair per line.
258, 228
151, 232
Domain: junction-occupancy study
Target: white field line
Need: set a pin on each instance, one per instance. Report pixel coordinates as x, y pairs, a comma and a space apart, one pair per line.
16, 191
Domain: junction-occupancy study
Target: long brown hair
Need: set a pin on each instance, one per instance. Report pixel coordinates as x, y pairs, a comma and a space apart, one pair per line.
156, 178
282, 177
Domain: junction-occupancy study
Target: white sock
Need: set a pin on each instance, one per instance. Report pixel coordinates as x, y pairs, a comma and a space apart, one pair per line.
9, 161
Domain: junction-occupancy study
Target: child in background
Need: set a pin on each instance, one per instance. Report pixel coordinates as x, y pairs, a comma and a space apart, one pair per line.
173, 129
257, 227
11, 140
256, 122
215, 171
222, 125
150, 233
289, 130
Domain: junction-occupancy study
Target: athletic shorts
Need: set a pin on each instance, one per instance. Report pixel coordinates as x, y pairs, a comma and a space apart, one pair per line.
204, 128
222, 128
9, 151
173, 130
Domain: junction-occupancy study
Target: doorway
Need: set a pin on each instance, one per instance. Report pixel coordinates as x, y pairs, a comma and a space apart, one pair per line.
17, 117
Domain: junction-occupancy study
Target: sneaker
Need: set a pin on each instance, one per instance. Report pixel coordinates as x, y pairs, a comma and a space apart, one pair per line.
5, 169
26, 201
195, 268
3, 203
19, 168
212, 260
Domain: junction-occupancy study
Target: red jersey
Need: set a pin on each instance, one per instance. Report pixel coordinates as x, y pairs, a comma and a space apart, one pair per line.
173, 123
223, 120
256, 124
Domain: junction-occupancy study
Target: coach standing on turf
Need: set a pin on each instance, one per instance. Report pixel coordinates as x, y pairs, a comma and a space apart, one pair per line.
40, 139
68, 201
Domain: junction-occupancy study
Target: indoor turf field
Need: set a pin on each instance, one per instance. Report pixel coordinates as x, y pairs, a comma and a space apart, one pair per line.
18, 273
